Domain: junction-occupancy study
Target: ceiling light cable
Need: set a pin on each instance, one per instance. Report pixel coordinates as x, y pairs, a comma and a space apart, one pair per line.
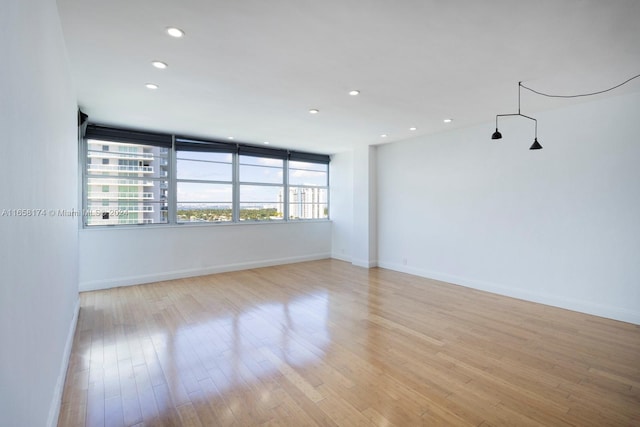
582, 94
536, 145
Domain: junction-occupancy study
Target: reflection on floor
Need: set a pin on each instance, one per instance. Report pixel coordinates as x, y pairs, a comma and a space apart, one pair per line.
326, 343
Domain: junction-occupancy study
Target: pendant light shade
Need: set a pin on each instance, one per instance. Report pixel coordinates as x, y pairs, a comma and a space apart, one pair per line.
496, 135
536, 145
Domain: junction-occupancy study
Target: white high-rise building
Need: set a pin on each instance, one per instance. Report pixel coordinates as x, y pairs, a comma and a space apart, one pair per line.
125, 185
306, 203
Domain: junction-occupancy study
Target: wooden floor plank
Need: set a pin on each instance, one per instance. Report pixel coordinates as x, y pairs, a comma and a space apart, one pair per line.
324, 343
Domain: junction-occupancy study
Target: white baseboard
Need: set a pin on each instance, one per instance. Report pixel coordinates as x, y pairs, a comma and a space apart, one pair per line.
364, 263
56, 401
181, 274
341, 257
581, 306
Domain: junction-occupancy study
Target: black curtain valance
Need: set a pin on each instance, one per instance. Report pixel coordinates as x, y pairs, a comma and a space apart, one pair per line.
106, 133
188, 144
252, 150
300, 156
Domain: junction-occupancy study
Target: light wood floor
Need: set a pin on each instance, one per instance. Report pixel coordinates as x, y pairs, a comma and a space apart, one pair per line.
325, 343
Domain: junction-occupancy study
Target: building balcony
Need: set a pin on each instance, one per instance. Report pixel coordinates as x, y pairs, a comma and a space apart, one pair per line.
99, 182
93, 195
120, 168
119, 155
119, 221
134, 209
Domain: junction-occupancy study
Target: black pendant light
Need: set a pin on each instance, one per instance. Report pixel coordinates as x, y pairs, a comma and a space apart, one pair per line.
497, 135
536, 145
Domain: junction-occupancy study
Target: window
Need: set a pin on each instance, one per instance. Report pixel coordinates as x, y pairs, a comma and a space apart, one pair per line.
133, 177
129, 190
204, 186
308, 190
125, 177
261, 188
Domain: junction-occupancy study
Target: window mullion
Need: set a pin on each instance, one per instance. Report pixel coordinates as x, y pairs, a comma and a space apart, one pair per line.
285, 199
235, 199
172, 197
328, 195
84, 147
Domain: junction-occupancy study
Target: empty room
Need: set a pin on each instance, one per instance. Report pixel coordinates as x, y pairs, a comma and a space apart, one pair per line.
338, 213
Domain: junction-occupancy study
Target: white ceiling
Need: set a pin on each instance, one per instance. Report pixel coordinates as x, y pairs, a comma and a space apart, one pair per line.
252, 69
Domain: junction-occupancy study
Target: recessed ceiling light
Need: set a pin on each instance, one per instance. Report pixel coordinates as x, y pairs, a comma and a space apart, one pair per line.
447, 120
314, 111
152, 86
159, 64
413, 128
354, 92
229, 137
175, 32
384, 135
266, 142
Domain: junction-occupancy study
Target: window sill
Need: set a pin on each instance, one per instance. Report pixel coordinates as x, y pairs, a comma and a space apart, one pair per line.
202, 224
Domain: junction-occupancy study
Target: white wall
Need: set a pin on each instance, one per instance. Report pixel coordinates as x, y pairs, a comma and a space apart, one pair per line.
341, 200
38, 254
126, 256
559, 226
364, 241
